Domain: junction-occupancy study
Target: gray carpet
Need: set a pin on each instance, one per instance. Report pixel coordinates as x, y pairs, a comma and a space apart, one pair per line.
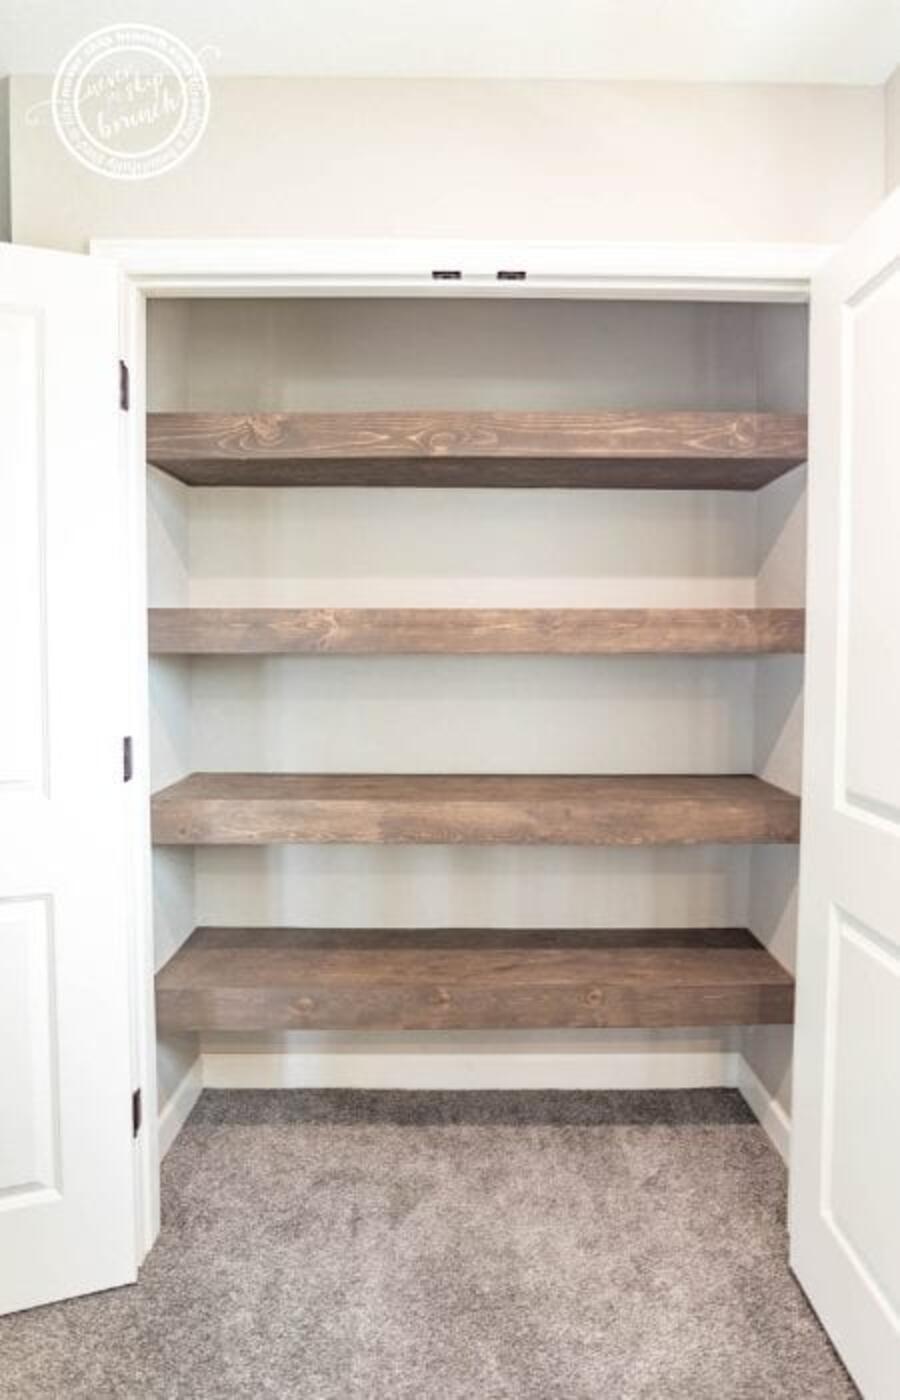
407, 1246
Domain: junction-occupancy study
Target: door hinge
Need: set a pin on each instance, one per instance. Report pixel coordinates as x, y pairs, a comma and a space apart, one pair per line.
127, 759
137, 1113
511, 274
124, 386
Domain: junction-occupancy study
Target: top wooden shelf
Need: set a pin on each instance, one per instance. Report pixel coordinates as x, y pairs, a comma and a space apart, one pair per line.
476, 631
617, 449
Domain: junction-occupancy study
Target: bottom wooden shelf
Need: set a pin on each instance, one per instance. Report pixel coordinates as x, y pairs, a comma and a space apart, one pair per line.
257, 979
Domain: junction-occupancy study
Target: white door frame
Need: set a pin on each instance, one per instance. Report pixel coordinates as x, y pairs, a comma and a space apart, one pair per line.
761, 272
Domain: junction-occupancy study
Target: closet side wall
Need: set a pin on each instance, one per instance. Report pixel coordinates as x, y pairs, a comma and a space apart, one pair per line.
778, 703
171, 713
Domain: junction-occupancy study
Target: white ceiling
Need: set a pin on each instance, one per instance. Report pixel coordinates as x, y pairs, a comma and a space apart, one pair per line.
783, 41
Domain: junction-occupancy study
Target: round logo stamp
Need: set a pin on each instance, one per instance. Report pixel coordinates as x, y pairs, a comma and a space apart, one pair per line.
130, 101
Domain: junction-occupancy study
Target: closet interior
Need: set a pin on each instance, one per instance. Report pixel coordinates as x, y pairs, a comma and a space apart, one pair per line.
476, 634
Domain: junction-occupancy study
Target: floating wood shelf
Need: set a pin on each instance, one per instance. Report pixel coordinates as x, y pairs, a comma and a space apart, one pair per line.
461, 631
721, 451
272, 808
259, 979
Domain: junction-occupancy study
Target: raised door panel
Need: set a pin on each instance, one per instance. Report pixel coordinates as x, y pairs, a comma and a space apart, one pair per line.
869, 663
862, 1052
29, 1094
23, 760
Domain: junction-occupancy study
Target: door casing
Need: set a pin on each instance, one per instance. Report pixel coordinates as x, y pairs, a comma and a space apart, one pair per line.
753, 272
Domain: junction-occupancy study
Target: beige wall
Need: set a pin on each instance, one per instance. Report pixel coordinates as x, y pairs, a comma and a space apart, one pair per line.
347, 157
892, 132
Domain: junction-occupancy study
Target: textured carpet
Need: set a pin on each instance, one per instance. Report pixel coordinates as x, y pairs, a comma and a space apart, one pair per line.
486, 1246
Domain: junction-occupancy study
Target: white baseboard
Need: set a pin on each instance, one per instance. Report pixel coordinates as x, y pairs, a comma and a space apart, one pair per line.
343, 1070
177, 1110
772, 1118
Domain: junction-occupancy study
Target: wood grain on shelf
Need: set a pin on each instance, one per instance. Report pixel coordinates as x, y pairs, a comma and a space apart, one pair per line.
257, 979
468, 631
272, 808
620, 448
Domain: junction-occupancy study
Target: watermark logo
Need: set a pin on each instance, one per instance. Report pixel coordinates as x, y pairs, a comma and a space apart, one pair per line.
130, 101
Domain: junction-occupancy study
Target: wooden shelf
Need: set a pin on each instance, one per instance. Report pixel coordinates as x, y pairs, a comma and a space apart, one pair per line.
721, 451
273, 808
469, 631
237, 979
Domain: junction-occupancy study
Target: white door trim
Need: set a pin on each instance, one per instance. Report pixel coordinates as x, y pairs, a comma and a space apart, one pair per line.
764, 272
396, 267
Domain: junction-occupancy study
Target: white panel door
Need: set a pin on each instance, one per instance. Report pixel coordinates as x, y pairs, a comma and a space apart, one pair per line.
66, 1180
845, 1183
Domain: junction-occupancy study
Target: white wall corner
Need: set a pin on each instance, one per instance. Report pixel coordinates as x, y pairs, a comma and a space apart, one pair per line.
892, 131
178, 1107
5, 138
772, 1118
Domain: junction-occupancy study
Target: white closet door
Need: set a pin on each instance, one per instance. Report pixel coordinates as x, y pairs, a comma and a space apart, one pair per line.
845, 1186
66, 1179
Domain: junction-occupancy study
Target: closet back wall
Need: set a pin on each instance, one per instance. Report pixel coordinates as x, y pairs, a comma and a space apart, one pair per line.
347, 547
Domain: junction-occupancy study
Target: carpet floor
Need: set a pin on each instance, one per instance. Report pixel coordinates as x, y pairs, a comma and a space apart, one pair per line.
342, 1245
